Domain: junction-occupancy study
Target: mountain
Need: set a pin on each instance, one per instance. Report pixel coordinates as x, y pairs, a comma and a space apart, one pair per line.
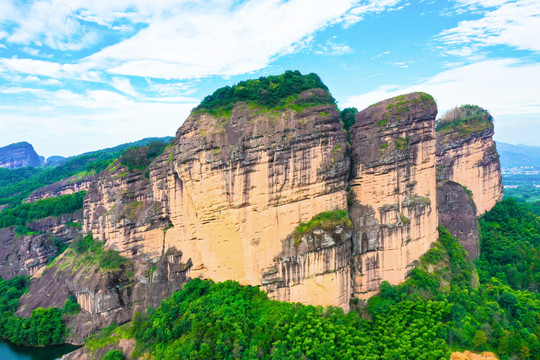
263, 185
19, 155
515, 156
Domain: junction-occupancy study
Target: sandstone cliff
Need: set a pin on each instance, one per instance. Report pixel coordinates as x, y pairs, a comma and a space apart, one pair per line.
18, 155
466, 154
392, 189
105, 295
229, 189
237, 194
315, 264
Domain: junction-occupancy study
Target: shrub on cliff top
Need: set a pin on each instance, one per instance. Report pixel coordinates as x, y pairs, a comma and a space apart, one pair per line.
270, 92
464, 120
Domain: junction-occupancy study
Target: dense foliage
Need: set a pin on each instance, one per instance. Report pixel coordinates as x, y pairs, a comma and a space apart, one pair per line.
24, 213
114, 355
17, 184
348, 118
140, 157
44, 327
524, 193
270, 92
510, 246
443, 306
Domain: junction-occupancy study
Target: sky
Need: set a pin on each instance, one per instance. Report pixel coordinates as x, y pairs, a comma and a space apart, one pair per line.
82, 75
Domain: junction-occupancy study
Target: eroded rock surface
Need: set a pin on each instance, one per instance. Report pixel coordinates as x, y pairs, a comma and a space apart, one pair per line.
392, 189
29, 254
457, 213
228, 190
466, 154
316, 268
67, 186
105, 296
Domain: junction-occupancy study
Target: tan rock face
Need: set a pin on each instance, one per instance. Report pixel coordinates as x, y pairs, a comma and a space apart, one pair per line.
316, 269
228, 191
392, 189
473, 162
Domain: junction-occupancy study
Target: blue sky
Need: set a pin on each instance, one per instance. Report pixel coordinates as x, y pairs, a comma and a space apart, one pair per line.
82, 75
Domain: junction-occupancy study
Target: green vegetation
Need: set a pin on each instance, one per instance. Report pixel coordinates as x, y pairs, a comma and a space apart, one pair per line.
76, 225
87, 251
114, 355
510, 246
461, 122
267, 92
325, 220
444, 306
17, 184
400, 104
111, 259
401, 143
523, 193
71, 306
24, 213
140, 157
44, 327
348, 117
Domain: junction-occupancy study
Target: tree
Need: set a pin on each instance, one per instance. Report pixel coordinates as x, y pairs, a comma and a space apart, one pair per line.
479, 339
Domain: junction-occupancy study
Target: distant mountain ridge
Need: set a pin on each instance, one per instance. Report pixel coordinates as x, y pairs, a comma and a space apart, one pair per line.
18, 155
513, 156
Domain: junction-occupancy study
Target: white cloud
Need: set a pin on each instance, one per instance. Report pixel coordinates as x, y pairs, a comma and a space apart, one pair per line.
331, 47
504, 87
180, 39
89, 121
358, 12
504, 22
124, 85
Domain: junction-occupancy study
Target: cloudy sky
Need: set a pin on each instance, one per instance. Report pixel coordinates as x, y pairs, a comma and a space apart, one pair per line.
82, 75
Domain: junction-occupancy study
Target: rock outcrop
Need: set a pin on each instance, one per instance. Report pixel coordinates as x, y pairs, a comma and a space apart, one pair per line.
19, 155
466, 154
233, 195
314, 267
66, 186
392, 189
229, 189
105, 295
29, 254
457, 213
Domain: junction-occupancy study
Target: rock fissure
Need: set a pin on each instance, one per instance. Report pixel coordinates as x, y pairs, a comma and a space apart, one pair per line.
242, 199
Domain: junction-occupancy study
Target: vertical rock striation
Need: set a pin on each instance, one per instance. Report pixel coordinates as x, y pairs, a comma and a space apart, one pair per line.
314, 267
466, 154
229, 189
258, 195
392, 189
